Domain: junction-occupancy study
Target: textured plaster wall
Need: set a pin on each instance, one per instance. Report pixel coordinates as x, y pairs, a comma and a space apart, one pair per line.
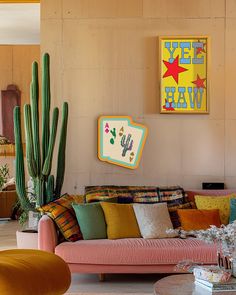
104, 60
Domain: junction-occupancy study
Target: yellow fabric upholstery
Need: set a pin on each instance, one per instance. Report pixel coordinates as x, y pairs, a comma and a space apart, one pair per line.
216, 202
32, 272
121, 221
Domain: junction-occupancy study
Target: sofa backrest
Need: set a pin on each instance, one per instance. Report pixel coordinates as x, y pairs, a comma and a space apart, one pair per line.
192, 193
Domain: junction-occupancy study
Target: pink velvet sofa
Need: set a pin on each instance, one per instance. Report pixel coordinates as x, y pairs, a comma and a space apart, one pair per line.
126, 255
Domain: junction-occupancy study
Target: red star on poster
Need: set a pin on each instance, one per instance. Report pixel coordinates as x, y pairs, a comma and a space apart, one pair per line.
173, 69
200, 49
199, 82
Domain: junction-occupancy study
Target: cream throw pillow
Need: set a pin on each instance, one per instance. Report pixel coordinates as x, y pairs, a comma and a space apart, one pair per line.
153, 220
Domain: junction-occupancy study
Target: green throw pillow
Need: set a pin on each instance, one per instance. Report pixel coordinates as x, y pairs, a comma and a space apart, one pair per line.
91, 220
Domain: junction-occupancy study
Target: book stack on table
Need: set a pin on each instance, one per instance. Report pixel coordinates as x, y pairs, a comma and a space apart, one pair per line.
214, 279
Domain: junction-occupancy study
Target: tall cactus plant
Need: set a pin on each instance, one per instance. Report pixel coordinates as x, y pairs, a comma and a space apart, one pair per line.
39, 160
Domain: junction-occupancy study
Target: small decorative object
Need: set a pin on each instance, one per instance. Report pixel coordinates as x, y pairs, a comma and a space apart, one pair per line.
212, 274
120, 141
184, 74
224, 236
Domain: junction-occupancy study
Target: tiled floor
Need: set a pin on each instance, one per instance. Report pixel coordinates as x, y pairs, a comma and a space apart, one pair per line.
89, 284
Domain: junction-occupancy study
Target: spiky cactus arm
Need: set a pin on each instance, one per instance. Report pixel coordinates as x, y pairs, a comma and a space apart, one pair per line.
48, 162
20, 171
29, 142
34, 96
61, 152
50, 189
46, 96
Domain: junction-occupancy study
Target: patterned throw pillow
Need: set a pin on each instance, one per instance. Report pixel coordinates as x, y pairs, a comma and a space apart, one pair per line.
98, 196
173, 195
62, 213
174, 214
124, 194
145, 194
220, 202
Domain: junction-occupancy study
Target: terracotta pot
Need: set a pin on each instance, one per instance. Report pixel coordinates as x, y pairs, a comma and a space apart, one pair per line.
27, 239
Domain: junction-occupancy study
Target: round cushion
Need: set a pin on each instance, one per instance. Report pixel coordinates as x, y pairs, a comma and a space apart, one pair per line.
27, 272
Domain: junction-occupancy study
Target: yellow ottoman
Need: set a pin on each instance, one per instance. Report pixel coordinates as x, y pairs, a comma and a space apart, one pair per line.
33, 272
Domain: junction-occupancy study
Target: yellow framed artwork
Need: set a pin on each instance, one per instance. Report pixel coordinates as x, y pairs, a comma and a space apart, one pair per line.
184, 74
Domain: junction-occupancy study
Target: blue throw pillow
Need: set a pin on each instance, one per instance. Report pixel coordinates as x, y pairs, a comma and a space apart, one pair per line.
232, 216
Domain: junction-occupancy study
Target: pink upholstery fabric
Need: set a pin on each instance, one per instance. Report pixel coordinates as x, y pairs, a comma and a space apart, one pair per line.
47, 235
136, 251
100, 268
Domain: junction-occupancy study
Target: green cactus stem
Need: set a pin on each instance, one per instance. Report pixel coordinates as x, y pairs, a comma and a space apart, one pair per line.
46, 97
62, 151
48, 161
29, 142
34, 97
50, 189
127, 145
20, 171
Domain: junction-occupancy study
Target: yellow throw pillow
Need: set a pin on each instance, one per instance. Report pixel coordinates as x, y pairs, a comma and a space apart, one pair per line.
216, 202
121, 221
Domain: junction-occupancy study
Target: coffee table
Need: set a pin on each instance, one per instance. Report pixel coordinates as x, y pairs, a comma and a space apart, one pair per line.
182, 284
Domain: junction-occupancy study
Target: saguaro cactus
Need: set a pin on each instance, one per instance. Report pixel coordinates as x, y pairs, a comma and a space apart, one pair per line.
39, 167
127, 145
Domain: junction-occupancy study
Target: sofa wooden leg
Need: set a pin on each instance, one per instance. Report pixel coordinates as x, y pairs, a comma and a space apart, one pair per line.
101, 277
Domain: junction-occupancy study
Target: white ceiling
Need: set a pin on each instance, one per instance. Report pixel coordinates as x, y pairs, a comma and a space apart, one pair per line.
20, 23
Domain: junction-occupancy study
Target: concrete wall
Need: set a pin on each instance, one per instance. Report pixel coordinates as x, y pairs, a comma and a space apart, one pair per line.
104, 60
15, 68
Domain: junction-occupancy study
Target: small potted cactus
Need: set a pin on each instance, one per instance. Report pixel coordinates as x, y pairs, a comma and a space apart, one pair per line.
39, 154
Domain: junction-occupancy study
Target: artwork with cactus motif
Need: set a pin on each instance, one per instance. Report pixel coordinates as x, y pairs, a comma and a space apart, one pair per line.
120, 141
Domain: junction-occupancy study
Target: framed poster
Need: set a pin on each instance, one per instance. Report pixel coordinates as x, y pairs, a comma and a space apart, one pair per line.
120, 140
184, 79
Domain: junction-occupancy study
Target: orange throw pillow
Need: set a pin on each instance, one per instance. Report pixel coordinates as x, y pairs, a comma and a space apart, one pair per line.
194, 219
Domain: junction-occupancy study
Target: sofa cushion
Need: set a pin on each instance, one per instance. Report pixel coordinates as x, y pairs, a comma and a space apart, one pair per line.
125, 194
122, 193
220, 202
153, 220
174, 217
232, 216
137, 251
194, 219
121, 221
173, 195
62, 213
91, 220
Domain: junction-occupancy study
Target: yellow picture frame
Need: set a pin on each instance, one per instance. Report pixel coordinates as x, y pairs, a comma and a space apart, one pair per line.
184, 74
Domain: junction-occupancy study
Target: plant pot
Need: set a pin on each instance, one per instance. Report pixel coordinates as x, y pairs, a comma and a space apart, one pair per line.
27, 239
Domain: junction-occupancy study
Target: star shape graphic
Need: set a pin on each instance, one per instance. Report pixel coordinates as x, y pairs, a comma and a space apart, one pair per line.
173, 69
200, 49
199, 82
